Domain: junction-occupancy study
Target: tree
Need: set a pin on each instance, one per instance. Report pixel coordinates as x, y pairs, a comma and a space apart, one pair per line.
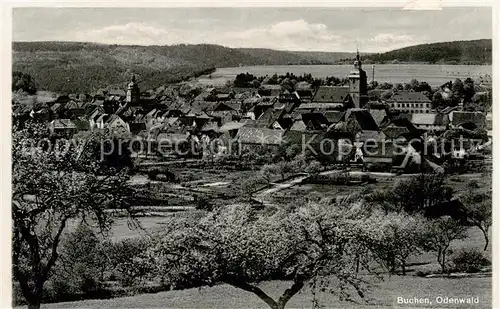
82, 259
437, 100
478, 209
49, 189
398, 86
394, 237
385, 85
439, 234
420, 192
457, 89
414, 85
252, 184
24, 82
468, 90
240, 247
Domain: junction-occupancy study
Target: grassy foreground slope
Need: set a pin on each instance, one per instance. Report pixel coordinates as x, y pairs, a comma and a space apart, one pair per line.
225, 296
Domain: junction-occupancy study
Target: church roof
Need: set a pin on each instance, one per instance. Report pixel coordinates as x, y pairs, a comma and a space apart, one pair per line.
331, 94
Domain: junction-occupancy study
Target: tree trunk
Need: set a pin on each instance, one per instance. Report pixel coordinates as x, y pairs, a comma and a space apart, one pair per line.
486, 239
403, 267
35, 305
443, 263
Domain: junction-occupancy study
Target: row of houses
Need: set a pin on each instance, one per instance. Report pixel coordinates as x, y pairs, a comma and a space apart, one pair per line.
265, 117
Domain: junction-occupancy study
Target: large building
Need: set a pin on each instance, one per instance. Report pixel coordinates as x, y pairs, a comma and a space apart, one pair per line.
411, 102
358, 87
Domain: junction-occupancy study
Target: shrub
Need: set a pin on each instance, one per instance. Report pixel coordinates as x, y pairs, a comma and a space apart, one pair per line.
128, 261
82, 262
469, 261
203, 203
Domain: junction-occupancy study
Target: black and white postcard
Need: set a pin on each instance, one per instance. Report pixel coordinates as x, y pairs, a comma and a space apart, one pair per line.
250, 157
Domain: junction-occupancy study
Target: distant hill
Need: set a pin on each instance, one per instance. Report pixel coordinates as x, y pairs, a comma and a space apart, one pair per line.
86, 67
456, 52
75, 67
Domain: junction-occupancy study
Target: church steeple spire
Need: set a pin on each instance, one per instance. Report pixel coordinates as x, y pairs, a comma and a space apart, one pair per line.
358, 83
133, 91
357, 62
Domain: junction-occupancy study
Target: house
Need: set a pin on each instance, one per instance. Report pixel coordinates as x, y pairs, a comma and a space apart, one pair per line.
305, 95
117, 124
62, 127
393, 132
334, 95
333, 146
409, 101
252, 138
287, 97
467, 120
320, 106
430, 122
380, 116
137, 127
269, 117
117, 92
298, 125
362, 119
232, 128
269, 90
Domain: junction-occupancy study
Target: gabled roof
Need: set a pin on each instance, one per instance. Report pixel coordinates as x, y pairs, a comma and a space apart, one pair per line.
232, 125
81, 124
269, 116
210, 126
113, 118
298, 125
260, 136
394, 132
319, 106
117, 92
172, 137
56, 107
63, 124
379, 115
429, 119
363, 118
333, 116
331, 94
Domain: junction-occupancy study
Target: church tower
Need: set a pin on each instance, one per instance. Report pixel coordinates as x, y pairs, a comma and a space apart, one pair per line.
133, 91
358, 87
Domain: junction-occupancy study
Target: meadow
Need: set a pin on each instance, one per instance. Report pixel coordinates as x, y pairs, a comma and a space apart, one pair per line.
225, 296
433, 74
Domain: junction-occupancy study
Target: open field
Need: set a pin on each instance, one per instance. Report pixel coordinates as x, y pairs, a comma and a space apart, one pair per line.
435, 75
384, 295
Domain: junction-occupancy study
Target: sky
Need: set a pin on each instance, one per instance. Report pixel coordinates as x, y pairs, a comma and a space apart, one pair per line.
299, 29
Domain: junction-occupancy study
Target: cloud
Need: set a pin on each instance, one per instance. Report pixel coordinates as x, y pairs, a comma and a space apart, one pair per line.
130, 33
390, 38
285, 35
289, 35
383, 42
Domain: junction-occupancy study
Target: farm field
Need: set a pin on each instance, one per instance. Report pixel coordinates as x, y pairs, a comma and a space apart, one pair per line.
435, 75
